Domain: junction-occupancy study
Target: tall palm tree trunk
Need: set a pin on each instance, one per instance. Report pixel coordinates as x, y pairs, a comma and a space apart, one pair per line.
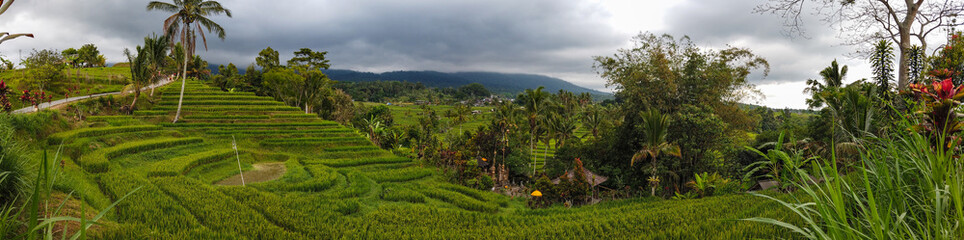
183, 83
652, 189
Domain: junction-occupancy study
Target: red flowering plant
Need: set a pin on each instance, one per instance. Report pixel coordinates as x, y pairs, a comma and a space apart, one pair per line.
940, 119
4, 100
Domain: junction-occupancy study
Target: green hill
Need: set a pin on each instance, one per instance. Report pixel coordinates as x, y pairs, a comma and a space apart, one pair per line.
334, 184
500, 83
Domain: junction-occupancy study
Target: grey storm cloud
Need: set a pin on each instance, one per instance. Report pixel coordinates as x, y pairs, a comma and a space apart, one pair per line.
555, 38
542, 36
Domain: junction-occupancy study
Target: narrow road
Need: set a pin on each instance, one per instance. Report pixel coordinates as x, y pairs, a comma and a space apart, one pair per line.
45, 105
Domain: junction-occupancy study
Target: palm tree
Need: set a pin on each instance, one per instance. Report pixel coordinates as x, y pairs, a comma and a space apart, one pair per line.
157, 47
535, 99
655, 127
140, 73
189, 14
592, 118
831, 76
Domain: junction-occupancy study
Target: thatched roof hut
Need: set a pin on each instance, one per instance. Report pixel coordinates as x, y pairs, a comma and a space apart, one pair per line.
592, 178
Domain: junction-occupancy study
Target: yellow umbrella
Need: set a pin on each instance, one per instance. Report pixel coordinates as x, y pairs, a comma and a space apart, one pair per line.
537, 193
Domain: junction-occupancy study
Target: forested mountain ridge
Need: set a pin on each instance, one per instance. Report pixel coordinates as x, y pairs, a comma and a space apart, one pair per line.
500, 83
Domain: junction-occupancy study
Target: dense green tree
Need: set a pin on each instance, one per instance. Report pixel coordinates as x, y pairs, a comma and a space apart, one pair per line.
315, 84
267, 59
71, 57
45, 70
474, 90
188, 15
88, 55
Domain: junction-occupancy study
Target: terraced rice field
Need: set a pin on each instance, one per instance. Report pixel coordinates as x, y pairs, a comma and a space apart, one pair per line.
336, 184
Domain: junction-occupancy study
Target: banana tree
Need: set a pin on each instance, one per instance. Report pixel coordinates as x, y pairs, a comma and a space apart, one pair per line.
5, 36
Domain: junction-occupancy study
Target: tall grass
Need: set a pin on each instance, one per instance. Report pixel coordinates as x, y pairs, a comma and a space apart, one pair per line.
903, 188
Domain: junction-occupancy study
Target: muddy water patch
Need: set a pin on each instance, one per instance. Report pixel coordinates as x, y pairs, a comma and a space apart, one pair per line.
262, 172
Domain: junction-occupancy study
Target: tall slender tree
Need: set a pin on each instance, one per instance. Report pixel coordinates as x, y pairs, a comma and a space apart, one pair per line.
140, 73
534, 106
188, 15
882, 62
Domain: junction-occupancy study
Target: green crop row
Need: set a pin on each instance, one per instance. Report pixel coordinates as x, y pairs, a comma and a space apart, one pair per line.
317, 225
149, 112
358, 185
221, 102
148, 205
193, 116
474, 193
180, 165
322, 179
352, 162
219, 212
458, 199
97, 161
176, 94
399, 175
364, 154
323, 142
280, 132
230, 108
109, 117
397, 193
297, 115
223, 98
250, 125
91, 132
352, 149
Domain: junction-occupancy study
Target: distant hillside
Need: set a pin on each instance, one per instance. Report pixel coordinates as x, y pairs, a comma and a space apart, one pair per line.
500, 83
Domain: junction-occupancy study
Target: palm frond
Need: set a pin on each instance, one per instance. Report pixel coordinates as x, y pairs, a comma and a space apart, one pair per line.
163, 6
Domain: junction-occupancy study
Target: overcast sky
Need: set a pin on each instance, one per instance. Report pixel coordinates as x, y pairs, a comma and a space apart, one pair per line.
550, 37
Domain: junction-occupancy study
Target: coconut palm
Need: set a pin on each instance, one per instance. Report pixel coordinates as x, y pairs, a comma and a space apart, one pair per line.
592, 118
140, 72
534, 104
832, 77
157, 47
655, 127
189, 14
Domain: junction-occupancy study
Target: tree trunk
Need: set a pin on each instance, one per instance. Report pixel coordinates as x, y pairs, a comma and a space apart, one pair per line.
183, 83
133, 103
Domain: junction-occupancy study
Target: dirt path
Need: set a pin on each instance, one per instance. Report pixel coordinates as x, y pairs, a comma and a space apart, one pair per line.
262, 172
